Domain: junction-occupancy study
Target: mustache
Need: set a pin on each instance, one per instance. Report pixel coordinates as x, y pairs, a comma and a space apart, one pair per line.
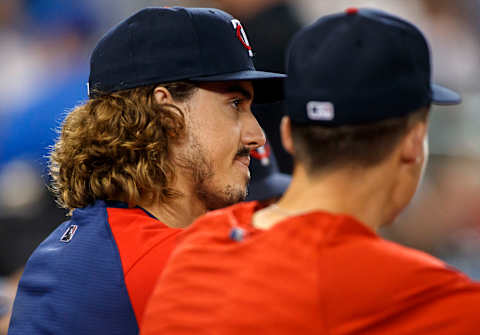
243, 152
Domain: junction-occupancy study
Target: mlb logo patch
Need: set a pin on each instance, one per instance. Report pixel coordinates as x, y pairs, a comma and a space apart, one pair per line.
68, 235
320, 111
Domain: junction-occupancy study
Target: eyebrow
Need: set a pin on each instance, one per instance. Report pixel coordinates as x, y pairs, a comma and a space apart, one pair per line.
239, 89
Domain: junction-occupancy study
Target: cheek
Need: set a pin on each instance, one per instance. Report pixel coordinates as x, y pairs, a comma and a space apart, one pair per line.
223, 151
216, 123
218, 133
217, 149
220, 138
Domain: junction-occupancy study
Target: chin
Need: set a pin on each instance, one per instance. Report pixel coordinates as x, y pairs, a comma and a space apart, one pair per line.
237, 185
235, 193
221, 197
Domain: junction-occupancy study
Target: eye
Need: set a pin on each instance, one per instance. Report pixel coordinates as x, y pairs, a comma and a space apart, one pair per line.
236, 103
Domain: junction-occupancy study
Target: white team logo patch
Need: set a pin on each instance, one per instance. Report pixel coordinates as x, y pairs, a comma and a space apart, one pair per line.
68, 234
320, 111
242, 36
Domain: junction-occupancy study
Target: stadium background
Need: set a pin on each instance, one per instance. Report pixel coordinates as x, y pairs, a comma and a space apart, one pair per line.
44, 50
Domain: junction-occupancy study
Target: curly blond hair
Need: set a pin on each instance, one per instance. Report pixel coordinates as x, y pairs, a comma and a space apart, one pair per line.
117, 147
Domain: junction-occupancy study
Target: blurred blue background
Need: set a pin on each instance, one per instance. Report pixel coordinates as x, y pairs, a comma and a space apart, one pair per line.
44, 55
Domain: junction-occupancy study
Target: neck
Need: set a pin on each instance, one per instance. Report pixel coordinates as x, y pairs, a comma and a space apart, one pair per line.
177, 213
366, 194
180, 211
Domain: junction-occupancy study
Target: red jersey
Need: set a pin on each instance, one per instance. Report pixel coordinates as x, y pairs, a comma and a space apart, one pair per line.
315, 273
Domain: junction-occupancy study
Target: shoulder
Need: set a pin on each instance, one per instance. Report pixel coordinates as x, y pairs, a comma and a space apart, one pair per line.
238, 214
384, 273
382, 259
234, 210
387, 281
346, 238
139, 235
212, 230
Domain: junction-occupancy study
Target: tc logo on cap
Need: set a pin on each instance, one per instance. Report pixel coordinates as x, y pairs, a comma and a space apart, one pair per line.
242, 36
320, 111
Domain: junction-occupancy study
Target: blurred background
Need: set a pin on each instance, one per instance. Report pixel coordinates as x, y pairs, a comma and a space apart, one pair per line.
44, 54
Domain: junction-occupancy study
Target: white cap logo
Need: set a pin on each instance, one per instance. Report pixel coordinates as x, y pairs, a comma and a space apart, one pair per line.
320, 111
242, 36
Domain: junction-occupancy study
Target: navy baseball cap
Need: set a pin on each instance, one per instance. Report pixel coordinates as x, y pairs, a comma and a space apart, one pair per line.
161, 45
357, 67
267, 181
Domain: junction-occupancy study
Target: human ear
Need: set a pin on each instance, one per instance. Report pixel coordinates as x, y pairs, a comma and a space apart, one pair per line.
162, 95
286, 135
413, 150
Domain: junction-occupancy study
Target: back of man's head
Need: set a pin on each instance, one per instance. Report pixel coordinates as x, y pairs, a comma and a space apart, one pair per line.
358, 82
322, 149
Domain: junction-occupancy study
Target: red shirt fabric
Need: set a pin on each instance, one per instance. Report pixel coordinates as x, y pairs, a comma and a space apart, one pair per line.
315, 273
144, 244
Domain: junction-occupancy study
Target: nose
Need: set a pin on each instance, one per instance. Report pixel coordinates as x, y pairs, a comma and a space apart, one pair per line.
252, 134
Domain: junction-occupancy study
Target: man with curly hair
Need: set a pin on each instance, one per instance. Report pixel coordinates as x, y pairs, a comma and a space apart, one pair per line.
164, 137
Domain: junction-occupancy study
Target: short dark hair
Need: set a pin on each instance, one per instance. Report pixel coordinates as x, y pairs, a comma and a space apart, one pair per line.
323, 148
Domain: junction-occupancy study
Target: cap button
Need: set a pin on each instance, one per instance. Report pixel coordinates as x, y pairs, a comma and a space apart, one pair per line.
237, 234
351, 10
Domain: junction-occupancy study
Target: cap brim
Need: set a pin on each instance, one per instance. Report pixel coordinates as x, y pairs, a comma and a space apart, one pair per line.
272, 186
444, 96
268, 86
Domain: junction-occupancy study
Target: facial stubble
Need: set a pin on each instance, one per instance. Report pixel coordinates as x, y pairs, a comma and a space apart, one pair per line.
202, 171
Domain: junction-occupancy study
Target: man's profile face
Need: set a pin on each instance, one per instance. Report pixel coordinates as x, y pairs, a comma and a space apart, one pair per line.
221, 130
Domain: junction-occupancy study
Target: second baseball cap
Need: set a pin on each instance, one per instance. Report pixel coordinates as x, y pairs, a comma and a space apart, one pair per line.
357, 67
159, 45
